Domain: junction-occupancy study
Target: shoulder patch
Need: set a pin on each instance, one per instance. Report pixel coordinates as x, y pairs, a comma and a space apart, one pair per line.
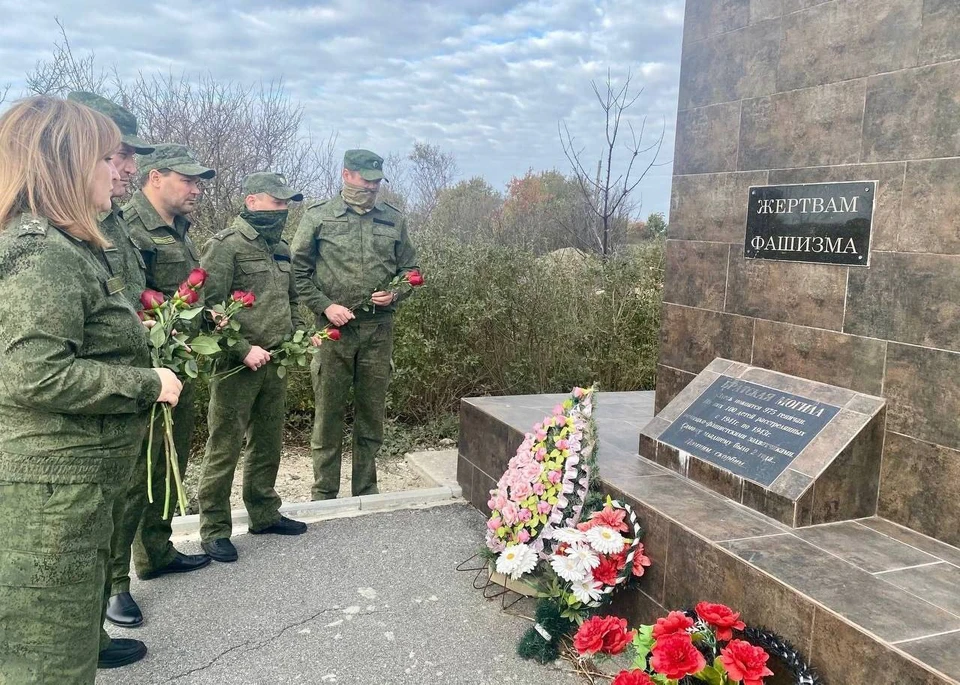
32, 226
163, 240
224, 233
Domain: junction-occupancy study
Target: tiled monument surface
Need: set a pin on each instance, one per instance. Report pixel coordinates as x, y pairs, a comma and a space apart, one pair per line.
867, 601
804, 91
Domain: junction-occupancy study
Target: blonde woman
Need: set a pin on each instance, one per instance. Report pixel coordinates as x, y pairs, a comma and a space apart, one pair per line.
74, 389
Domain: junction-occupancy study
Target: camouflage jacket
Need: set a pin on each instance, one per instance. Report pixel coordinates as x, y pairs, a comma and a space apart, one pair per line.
123, 257
341, 257
168, 252
75, 381
238, 258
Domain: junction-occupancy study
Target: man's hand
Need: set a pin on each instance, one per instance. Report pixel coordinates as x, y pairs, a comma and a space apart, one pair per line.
316, 340
382, 298
338, 315
256, 357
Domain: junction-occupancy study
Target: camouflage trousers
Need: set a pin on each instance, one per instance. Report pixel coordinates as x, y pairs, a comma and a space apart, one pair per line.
139, 524
54, 576
246, 414
359, 360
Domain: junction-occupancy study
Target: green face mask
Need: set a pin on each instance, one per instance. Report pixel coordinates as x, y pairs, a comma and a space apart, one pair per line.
267, 223
358, 197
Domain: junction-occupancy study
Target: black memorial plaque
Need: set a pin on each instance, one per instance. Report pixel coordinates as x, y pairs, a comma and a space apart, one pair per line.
750, 430
816, 222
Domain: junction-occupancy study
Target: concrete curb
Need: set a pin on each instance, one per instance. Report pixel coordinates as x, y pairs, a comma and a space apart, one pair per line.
311, 512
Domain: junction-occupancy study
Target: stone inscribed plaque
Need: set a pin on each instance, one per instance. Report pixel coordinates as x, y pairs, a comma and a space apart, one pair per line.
748, 429
815, 222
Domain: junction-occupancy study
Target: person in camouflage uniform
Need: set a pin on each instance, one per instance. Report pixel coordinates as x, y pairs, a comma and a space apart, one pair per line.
247, 409
345, 252
127, 264
75, 387
156, 216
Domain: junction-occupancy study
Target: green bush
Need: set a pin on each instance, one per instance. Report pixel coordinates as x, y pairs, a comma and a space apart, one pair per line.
494, 320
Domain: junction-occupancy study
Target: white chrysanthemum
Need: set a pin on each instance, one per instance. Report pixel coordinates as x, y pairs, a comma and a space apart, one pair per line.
571, 536
586, 557
605, 540
516, 560
586, 590
568, 568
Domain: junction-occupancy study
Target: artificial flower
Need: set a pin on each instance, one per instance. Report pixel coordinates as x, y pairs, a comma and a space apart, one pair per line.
673, 623
516, 560
722, 618
675, 656
567, 568
605, 540
745, 662
586, 591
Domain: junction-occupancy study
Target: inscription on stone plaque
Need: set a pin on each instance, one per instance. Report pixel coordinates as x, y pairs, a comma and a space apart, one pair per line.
815, 222
750, 430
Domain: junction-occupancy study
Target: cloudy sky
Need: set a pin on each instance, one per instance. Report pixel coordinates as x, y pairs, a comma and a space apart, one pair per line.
487, 80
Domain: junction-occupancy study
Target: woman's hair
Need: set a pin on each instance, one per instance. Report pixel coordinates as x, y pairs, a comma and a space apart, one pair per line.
49, 151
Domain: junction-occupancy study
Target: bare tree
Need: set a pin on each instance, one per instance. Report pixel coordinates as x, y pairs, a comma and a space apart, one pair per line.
431, 171
4, 91
609, 196
65, 72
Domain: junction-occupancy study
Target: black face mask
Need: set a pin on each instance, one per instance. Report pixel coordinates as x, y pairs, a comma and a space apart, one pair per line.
268, 223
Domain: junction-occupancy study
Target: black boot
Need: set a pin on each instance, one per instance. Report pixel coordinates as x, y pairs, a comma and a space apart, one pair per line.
121, 652
284, 526
123, 611
221, 550
182, 563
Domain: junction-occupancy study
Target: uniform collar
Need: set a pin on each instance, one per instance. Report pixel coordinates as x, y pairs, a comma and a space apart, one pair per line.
340, 207
245, 229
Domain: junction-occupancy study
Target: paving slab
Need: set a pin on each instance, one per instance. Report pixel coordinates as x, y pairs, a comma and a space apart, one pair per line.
370, 599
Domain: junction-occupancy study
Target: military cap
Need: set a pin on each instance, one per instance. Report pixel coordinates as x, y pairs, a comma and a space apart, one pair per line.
368, 164
125, 121
177, 158
274, 185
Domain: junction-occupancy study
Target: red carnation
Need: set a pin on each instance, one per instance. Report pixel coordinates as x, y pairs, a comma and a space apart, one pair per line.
196, 279
246, 298
673, 623
675, 656
604, 634
333, 333
634, 677
722, 618
640, 561
151, 299
608, 516
606, 572
414, 278
744, 662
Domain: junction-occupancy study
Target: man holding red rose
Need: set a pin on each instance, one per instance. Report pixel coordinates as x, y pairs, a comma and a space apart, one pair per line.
345, 253
157, 219
247, 408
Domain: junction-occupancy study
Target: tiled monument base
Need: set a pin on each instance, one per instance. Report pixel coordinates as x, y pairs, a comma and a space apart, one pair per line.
867, 601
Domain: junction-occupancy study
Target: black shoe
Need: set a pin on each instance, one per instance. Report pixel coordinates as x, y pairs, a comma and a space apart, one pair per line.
182, 563
121, 652
123, 611
220, 549
284, 526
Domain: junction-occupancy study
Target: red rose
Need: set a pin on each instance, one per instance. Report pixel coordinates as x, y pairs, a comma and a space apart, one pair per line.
675, 656
745, 662
635, 677
604, 634
188, 296
606, 572
247, 299
151, 299
673, 623
333, 333
722, 618
196, 279
414, 278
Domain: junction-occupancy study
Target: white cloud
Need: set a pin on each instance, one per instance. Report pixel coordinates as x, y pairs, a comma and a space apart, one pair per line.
486, 79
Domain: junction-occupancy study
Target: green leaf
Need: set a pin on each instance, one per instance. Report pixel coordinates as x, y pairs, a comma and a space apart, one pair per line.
662, 680
642, 644
710, 675
157, 336
205, 344
302, 361
298, 336
234, 325
190, 368
231, 342
281, 371
188, 314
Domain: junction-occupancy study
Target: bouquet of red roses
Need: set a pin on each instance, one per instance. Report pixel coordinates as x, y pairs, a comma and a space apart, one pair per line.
173, 349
